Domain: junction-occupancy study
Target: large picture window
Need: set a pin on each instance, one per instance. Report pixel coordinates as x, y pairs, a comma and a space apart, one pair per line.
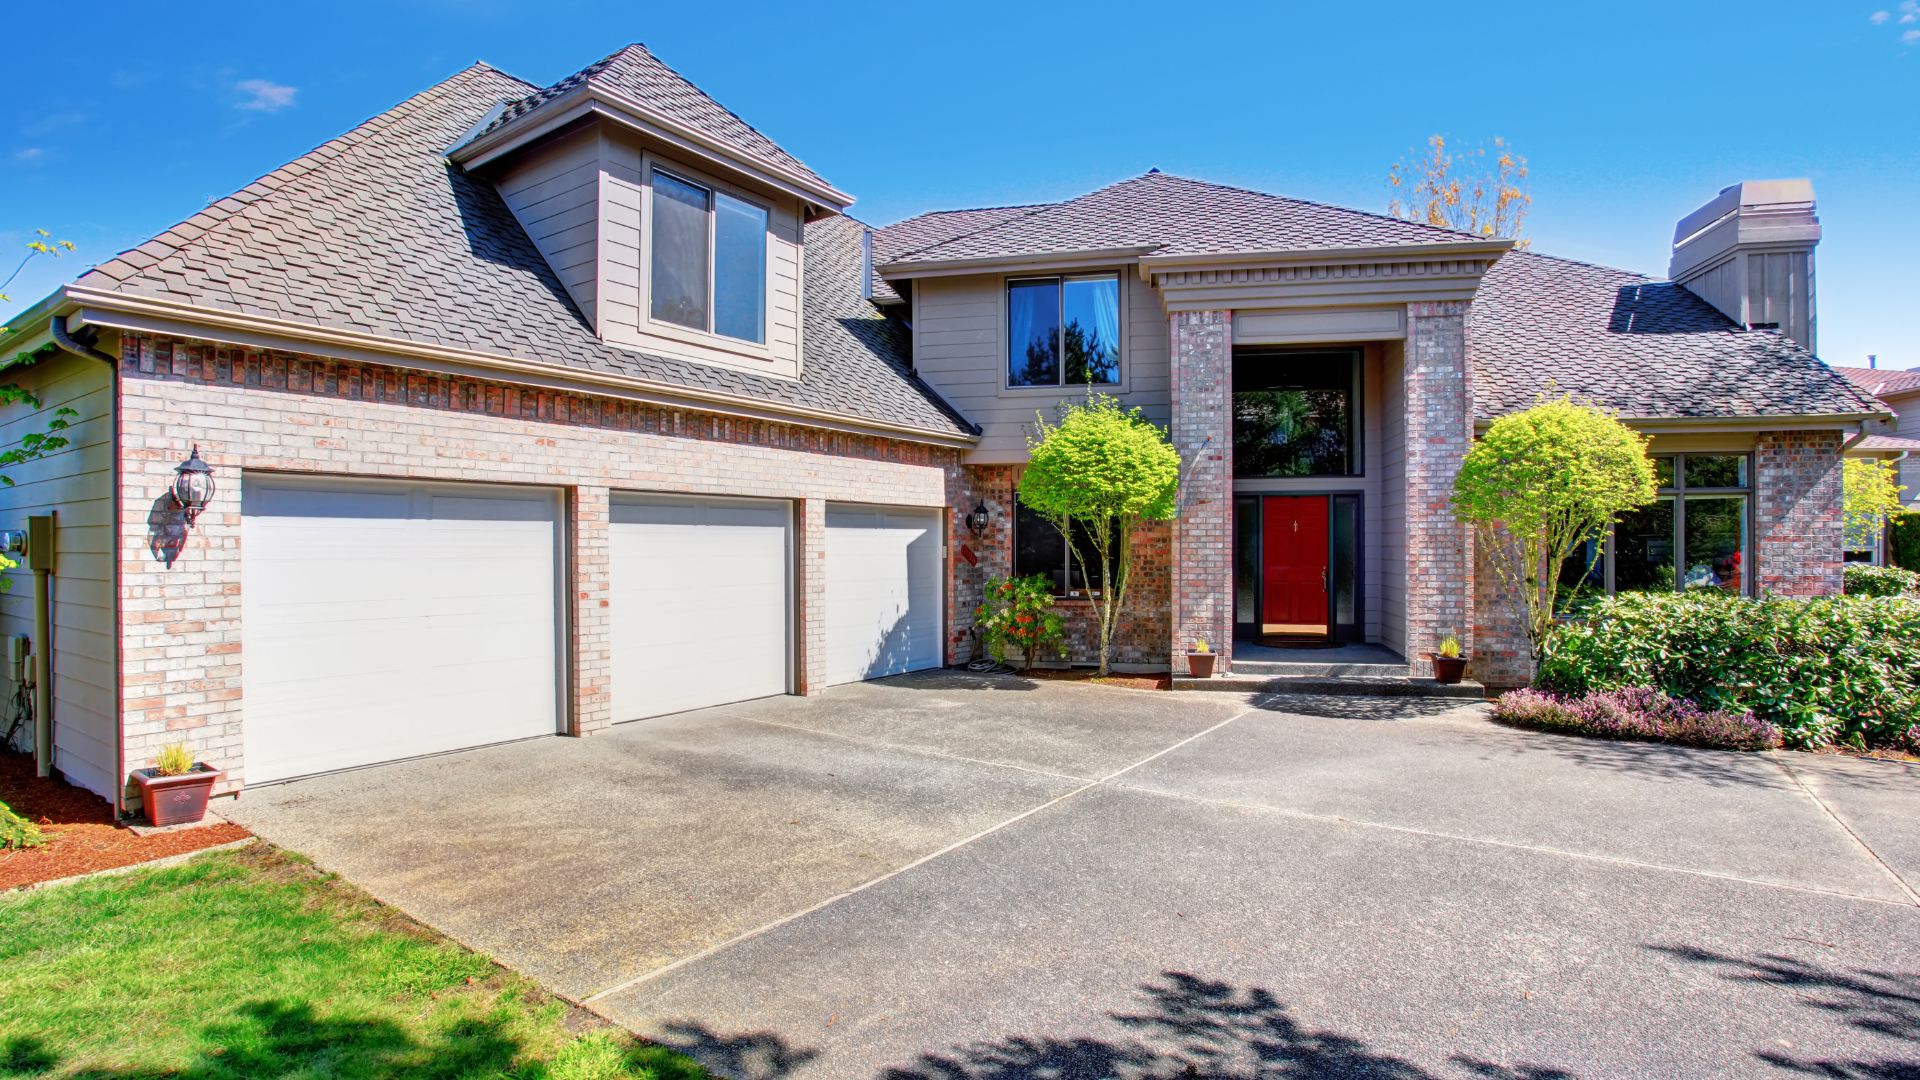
1695, 535
1296, 413
1038, 548
709, 260
1063, 331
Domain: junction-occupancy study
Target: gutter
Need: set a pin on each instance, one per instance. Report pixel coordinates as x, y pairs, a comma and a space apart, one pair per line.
66, 342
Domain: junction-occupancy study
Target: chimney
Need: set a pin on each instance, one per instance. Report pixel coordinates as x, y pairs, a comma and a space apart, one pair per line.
1749, 252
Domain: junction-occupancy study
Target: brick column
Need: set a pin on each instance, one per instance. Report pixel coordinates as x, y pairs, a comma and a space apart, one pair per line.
969, 486
1797, 533
1202, 431
1439, 425
590, 528
810, 596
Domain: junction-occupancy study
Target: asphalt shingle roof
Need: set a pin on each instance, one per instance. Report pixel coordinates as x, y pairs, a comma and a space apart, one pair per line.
635, 73
1541, 326
1172, 215
1882, 381
376, 232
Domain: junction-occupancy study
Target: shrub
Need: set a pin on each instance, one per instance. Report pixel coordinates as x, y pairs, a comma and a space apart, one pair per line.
1865, 580
18, 832
1640, 713
1837, 669
1018, 613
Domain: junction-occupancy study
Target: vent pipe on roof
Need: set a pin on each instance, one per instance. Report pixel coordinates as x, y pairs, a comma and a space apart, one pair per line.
1749, 252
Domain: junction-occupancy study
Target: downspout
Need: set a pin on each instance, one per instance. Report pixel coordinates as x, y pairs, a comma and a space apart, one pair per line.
57, 326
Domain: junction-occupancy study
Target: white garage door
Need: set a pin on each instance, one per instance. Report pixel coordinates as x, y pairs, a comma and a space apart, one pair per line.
701, 611
388, 620
883, 591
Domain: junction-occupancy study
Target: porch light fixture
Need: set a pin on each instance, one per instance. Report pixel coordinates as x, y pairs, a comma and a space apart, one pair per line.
977, 520
193, 485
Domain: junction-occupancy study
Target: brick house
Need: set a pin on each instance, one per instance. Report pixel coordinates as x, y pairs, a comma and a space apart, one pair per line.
535, 410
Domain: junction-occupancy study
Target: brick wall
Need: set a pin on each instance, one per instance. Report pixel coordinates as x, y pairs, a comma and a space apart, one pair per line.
182, 657
1797, 514
1141, 639
1439, 427
1202, 538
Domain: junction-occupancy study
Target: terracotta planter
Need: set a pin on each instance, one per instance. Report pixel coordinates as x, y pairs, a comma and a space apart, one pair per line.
1200, 664
176, 800
1448, 669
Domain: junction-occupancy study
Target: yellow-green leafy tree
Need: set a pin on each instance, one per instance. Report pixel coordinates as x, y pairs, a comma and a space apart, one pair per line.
1540, 487
1481, 190
1871, 499
1097, 473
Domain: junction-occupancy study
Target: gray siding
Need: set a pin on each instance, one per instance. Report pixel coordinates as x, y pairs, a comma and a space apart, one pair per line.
556, 195
959, 346
77, 483
1392, 524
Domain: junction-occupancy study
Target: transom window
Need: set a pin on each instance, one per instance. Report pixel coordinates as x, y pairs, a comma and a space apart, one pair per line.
1063, 331
709, 262
1695, 535
1296, 412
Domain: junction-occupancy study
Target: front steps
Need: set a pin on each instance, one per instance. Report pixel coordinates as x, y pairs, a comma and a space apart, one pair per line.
1347, 672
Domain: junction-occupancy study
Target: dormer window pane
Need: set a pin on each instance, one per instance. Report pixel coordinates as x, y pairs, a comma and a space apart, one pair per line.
679, 252
739, 268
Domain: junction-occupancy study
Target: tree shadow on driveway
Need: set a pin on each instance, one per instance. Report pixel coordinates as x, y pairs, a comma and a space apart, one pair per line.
1186, 1028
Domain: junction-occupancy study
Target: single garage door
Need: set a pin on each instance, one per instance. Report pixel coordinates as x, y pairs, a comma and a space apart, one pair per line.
702, 602
883, 591
388, 620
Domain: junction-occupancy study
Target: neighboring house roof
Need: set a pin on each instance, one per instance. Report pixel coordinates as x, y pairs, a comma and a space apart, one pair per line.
1881, 382
1167, 215
637, 74
1648, 348
375, 232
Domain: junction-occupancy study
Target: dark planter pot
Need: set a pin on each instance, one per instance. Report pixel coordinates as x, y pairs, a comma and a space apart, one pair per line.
1448, 669
176, 800
1201, 664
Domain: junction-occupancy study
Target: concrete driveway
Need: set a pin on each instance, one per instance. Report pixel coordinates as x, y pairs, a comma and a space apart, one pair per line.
953, 876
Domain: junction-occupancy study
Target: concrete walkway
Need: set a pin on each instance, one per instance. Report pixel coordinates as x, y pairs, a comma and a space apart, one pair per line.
956, 876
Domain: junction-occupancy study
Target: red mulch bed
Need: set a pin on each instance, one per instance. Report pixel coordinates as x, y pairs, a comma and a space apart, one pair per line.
1126, 682
81, 834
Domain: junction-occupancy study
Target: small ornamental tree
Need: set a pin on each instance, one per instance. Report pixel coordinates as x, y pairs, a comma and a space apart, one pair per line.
1096, 474
1871, 498
1540, 485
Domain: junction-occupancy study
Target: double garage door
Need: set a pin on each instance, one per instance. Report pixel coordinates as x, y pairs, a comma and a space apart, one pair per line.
389, 620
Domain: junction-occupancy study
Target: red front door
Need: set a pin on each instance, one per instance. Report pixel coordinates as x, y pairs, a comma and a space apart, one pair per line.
1293, 565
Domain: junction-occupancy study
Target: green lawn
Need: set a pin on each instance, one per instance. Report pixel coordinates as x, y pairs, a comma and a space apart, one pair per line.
250, 963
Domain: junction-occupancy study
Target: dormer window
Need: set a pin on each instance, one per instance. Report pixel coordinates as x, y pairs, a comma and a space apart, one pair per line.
709, 259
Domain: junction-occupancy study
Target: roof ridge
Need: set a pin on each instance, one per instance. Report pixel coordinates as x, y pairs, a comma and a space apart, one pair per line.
193, 230
1315, 203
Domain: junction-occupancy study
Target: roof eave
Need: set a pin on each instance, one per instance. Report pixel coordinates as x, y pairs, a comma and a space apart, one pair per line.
628, 112
124, 311
1044, 260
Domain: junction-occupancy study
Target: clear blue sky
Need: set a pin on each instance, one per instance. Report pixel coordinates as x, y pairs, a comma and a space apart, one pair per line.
1630, 115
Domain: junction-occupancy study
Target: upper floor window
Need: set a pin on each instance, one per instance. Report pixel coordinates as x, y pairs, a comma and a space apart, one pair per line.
709, 262
1063, 331
1296, 413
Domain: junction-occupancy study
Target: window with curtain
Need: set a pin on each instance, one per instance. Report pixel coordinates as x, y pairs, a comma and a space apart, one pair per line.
1063, 331
708, 266
1695, 535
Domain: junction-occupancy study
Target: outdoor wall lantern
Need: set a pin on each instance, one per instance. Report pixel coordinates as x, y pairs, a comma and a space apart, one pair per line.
193, 485
977, 521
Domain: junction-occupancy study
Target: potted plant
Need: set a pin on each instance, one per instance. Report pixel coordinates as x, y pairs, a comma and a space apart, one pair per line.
1200, 659
1448, 665
174, 790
